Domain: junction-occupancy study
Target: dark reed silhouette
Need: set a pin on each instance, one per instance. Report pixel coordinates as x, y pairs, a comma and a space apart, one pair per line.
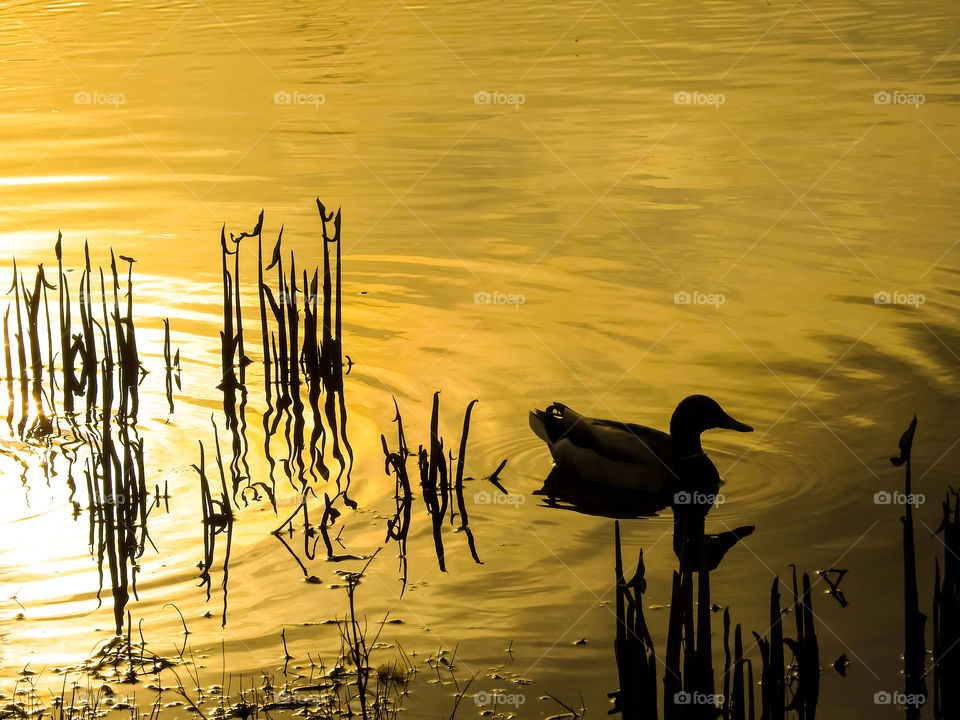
946, 613
398, 527
441, 486
116, 475
914, 654
217, 520
233, 364
832, 578
105, 443
171, 365
633, 646
691, 689
307, 349
302, 358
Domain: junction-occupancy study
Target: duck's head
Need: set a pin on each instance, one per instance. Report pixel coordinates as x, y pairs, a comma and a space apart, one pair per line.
697, 413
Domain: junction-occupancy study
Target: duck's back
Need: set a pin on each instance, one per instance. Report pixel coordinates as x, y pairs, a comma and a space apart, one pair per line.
630, 442
605, 452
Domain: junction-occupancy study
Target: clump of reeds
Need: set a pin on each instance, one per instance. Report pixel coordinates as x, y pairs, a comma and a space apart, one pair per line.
690, 687
302, 346
633, 646
100, 347
114, 463
441, 485
303, 367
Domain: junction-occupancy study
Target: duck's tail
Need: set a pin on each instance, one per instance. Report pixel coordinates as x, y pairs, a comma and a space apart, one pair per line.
538, 423
549, 424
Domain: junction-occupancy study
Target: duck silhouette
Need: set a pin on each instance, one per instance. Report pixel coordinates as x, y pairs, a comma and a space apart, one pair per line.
618, 456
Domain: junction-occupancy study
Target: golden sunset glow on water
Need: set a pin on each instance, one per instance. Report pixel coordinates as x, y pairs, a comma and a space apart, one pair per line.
267, 255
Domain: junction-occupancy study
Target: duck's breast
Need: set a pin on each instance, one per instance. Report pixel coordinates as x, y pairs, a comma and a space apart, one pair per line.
696, 473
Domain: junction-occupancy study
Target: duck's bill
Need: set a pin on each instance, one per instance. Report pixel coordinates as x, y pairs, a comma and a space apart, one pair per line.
728, 423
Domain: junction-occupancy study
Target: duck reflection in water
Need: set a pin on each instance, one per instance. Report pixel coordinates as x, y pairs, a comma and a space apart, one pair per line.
618, 469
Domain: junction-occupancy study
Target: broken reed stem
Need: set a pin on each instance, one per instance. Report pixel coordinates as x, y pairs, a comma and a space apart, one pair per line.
399, 525
432, 465
21, 341
168, 363
50, 367
6, 346
264, 334
66, 346
946, 612
458, 483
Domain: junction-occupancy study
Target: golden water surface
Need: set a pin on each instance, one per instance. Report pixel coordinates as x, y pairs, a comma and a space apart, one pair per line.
608, 204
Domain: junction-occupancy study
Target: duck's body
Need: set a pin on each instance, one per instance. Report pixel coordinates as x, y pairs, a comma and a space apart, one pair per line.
626, 456
614, 454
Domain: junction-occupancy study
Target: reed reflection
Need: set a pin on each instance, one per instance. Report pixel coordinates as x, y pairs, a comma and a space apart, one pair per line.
171, 365
217, 520
104, 444
303, 384
691, 688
